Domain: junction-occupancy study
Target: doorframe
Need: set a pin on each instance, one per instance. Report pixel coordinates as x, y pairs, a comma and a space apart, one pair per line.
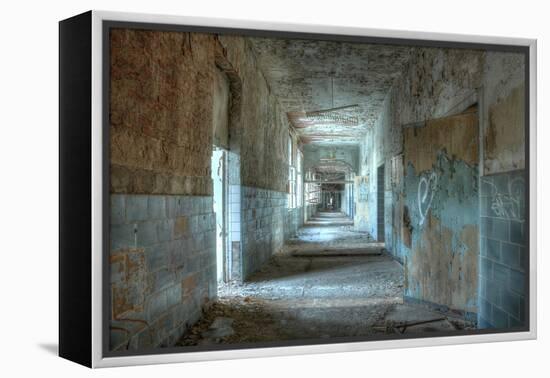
380, 203
226, 250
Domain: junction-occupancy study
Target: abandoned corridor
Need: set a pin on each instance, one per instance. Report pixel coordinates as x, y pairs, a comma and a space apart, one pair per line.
265, 189
329, 281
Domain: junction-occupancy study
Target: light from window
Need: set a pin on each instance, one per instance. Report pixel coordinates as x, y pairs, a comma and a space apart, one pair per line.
291, 175
299, 180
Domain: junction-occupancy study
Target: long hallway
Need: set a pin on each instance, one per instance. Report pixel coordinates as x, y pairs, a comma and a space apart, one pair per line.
329, 282
268, 189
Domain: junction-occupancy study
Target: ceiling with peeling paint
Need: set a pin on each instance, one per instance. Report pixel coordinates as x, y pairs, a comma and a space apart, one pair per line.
328, 159
332, 91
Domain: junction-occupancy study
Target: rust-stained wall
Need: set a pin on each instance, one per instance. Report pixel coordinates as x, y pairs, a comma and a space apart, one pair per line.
441, 198
457, 135
163, 100
174, 95
161, 105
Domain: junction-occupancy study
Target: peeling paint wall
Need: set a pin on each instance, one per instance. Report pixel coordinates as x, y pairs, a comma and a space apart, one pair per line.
442, 201
161, 105
438, 83
174, 95
166, 92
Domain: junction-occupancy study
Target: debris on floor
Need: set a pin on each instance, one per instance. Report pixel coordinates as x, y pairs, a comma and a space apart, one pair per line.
318, 295
220, 327
340, 251
243, 322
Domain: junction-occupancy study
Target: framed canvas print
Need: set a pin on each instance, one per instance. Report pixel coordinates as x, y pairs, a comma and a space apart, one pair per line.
233, 189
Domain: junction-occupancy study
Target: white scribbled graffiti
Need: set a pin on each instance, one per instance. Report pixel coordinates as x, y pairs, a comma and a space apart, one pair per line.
508, 204
426, 191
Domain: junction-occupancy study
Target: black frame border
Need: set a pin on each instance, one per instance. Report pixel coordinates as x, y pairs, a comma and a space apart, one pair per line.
75, 189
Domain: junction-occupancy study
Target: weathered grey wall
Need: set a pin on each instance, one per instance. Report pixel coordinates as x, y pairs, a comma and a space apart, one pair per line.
162, 266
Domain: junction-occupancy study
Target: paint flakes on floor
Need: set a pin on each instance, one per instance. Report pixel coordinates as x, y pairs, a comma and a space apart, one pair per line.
317, 296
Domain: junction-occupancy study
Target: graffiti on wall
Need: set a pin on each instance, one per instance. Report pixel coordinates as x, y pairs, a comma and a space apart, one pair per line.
427, 188
507, 203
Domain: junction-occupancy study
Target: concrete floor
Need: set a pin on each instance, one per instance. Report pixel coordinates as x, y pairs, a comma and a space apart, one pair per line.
328, 282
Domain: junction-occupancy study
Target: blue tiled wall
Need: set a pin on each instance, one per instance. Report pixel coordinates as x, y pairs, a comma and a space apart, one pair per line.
503, 260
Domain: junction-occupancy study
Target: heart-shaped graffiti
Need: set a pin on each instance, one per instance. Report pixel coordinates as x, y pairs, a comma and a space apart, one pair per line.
426, 190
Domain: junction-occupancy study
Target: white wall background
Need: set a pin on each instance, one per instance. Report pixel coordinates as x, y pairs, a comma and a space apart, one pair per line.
28, 151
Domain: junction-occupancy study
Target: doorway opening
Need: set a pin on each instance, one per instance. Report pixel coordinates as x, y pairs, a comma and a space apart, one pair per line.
332, 197
380, 203
220, 200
